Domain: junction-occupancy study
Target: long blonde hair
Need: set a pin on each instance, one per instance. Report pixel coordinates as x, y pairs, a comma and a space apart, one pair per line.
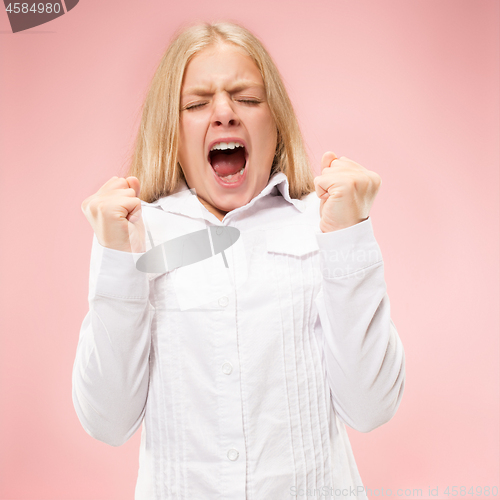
154, 158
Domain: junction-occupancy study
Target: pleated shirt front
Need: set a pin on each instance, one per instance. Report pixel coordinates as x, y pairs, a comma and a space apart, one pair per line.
242, 376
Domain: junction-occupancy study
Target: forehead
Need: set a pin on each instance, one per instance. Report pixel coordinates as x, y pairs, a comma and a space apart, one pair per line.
219, 65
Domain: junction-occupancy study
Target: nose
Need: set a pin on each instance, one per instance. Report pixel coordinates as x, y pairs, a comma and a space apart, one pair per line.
224, 113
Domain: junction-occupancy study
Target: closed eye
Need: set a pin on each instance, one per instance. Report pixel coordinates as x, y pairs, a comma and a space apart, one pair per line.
194, 106
249, 101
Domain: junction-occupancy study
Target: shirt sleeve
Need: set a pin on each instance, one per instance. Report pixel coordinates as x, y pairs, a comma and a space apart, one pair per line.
363, 354
111, 368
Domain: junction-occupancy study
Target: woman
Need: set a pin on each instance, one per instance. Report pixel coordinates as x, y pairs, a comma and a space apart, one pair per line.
244, 368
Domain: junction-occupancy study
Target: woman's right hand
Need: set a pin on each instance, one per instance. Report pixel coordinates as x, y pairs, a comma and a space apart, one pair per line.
114, 213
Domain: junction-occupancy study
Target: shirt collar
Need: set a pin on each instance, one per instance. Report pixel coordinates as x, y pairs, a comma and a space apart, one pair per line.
183, 202
284, 189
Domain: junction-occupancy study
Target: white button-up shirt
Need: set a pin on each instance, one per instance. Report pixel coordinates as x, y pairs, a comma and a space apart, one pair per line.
242, 376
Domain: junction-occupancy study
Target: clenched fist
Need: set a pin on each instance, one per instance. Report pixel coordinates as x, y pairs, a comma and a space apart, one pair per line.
346, 190
114, 212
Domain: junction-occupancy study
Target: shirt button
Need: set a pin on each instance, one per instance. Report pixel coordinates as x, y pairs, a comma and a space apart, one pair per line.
227, 368
233, 454
223, 301
219, 230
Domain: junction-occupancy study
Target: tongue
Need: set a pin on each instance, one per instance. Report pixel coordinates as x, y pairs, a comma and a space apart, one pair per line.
226, 164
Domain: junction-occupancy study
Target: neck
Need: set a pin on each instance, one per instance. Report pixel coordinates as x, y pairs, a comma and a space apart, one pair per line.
214, 210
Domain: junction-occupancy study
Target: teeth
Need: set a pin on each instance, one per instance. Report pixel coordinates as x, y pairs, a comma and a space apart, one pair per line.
227, 145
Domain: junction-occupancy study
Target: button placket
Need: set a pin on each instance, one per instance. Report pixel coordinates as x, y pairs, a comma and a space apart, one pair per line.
232, 439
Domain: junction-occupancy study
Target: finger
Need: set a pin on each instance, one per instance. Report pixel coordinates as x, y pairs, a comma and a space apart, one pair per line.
125, 205
327, 159
321, 187
114, 183
134, 183
135, 213
128, 191
333, 182
117, 193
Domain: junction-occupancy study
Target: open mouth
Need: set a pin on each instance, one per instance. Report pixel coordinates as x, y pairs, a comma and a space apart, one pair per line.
228, 159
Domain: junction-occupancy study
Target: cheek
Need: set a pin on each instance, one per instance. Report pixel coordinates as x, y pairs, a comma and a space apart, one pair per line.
182, 138
190, 138
271, 138
267, 133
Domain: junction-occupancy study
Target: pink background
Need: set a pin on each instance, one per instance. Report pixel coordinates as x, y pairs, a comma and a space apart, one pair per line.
409, 89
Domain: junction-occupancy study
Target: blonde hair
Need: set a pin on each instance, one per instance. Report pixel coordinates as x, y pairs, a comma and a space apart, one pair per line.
154, 158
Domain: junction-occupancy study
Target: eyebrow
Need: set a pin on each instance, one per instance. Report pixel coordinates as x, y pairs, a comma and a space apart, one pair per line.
202, 90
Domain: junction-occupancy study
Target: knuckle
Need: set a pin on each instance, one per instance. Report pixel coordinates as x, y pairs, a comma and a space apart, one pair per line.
351, 183
88, 205
374, 179
99, 207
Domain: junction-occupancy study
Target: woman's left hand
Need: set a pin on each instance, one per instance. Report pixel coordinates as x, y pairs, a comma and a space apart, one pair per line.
346, 190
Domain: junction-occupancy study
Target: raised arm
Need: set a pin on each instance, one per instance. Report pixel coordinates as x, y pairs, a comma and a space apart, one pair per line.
363, 355
111, 369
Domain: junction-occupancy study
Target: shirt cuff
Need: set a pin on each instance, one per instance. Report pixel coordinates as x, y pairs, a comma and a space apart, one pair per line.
117, 274
348, 251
